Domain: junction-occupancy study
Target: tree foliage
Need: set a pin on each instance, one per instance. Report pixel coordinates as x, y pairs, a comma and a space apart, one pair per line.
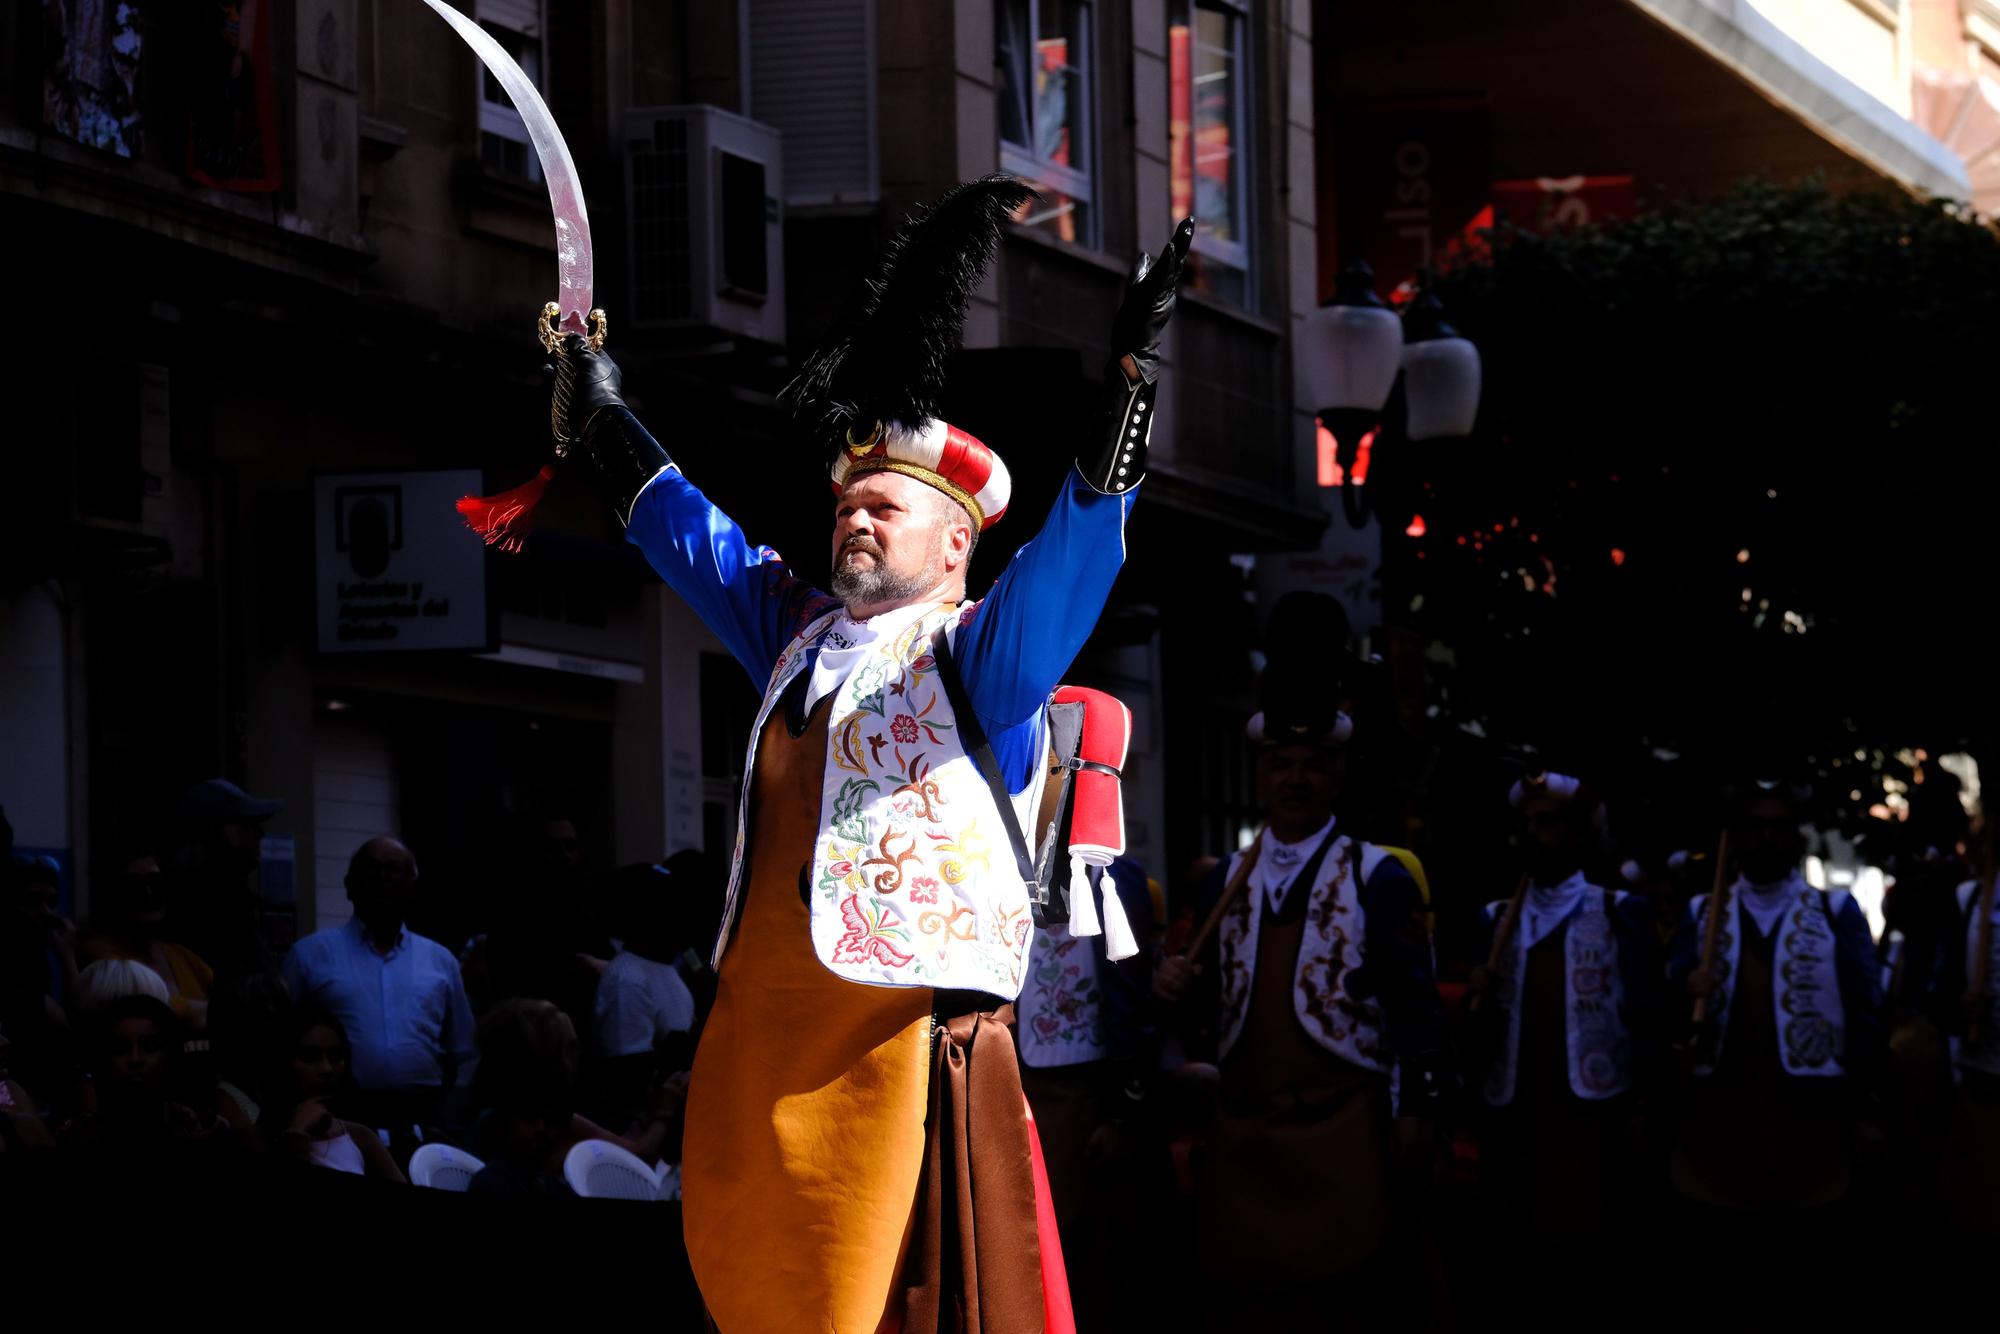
1733, 484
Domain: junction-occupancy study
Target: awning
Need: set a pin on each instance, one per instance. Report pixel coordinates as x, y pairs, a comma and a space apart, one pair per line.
1963, 112
1826, 101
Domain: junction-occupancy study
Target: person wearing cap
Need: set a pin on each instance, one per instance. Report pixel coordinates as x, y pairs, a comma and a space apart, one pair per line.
1330, 1042
1788, 1045
213, 898
1568, 999
874, 913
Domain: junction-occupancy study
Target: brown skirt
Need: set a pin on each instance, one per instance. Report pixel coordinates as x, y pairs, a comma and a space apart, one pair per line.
975, 1256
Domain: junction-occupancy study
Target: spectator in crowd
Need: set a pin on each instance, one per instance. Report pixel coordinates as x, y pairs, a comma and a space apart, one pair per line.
132, 1045
527, 1086
308, 1081
244, 1020
37, 966
543, 942
213, 870
397, 994
131, 923
645, 1012
20, 1128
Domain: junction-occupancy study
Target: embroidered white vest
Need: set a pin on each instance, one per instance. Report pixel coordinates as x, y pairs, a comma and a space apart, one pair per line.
1986, 1055
1061, 1019
1805, 980
1600, 1049
1330, 950
912, 882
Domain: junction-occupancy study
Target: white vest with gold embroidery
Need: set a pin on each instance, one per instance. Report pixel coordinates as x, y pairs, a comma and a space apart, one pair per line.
1330, 950
912, 882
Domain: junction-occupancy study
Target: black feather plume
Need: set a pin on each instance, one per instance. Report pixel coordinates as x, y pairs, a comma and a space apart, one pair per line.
885, 360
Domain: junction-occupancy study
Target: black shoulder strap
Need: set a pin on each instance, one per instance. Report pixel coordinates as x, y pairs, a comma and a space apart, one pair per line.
980, 751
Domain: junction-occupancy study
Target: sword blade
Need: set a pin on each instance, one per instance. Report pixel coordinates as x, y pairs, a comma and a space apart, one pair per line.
573, 262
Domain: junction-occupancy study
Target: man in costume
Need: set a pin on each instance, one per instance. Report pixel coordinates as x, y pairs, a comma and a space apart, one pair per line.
1970, 996
1330, 1043
1088, 1052
1783, 1055
874, 909
1565, 1007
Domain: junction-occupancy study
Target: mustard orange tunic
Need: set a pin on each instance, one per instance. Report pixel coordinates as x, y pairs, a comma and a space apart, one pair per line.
805, 1122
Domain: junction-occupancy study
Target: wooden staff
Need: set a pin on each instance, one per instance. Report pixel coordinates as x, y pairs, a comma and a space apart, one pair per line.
1503, 932
1229, 893
1712, 931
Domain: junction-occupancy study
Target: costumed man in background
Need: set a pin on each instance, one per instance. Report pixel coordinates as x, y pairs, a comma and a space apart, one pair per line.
1566, 1009
873, 914
1970, 974
1784, 1050
1330, 1044
1088, 1052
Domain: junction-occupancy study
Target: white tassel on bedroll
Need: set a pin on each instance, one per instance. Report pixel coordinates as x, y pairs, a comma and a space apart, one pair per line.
1118, 940
1082, 902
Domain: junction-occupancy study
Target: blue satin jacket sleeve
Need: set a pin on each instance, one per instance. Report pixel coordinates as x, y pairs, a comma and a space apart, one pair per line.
1022, 637
1026, 632
744, 593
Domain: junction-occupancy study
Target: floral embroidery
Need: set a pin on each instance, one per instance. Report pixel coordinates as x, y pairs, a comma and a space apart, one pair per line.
867, 937
923, 889
846, 746
850, 821
916, 796
904, 728
890, 879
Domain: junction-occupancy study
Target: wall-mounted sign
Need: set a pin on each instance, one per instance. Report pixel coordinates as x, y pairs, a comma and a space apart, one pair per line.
393, 567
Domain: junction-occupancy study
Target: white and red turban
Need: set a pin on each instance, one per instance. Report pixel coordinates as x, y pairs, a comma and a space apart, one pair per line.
956, 462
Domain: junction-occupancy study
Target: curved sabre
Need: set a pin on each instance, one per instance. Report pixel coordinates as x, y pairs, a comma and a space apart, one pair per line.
573, 264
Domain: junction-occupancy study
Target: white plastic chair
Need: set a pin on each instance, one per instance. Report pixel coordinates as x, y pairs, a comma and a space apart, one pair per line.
598, 1170
443, 1168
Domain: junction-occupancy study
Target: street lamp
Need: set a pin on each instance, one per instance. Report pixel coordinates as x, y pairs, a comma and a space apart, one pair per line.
1349, 352
1440, 373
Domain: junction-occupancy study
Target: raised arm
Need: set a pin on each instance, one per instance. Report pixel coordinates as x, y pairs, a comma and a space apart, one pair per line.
1031, 626
742, 592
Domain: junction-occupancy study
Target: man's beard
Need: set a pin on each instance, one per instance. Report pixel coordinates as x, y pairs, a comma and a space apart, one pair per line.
877, 583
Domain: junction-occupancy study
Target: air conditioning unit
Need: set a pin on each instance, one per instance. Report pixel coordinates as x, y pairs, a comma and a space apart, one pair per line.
705, 248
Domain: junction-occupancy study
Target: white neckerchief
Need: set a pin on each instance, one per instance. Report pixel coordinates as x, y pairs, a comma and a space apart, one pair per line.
1766, 904
1278, 865
1547, 905
848, 641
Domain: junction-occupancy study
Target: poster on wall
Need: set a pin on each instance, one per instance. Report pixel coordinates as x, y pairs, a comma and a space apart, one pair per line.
90, 73
394, 570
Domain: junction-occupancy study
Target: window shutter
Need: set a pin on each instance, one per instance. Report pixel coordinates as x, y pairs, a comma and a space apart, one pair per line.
812, 77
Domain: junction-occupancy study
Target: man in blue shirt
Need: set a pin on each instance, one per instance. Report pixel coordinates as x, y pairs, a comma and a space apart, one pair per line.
399, 994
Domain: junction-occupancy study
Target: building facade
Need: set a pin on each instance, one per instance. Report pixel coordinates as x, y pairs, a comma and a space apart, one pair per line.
286, 258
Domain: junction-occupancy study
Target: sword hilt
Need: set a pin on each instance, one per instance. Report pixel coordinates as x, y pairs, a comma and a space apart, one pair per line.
548, 328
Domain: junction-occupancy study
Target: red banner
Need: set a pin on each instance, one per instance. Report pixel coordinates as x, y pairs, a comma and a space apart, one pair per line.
232, 121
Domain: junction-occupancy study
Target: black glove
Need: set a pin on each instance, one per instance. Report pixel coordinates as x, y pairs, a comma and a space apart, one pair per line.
1118, 461
588, 407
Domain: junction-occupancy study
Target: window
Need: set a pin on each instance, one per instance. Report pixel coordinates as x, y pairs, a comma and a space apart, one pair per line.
1043, 48
503, 139
1208, 78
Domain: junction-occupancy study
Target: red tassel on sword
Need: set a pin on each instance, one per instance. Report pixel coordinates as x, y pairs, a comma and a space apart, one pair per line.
506, 520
